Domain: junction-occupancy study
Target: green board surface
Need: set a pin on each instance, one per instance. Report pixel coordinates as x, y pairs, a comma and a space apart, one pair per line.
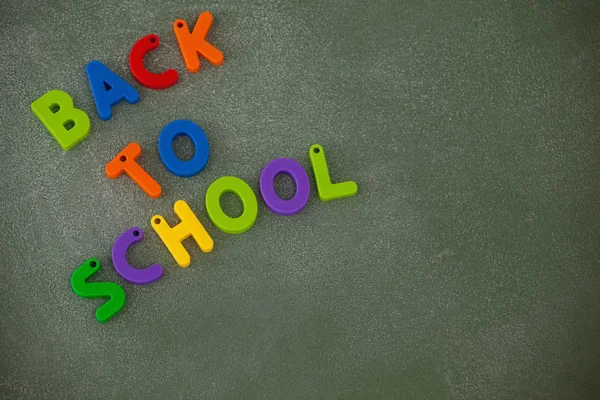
466, 266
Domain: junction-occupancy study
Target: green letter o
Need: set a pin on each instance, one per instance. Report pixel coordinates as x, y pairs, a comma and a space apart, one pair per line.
213, 206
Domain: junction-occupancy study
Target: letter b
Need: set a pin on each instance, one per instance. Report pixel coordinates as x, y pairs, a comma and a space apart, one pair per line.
68, 125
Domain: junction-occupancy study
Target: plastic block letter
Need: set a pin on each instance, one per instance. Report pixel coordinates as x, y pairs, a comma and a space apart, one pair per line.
68, 125
125, 162
87, 290
327, 190
150, 80
189, 226
297, 173
213, 206
108, 89
122, 266
169, 158
194, 44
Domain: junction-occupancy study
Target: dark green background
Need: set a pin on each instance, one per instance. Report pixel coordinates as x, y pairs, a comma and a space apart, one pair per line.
467, 266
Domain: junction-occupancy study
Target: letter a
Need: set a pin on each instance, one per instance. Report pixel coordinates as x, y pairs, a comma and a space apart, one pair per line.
108, 89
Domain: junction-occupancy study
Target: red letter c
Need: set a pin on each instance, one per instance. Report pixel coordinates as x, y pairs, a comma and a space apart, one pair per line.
148, 79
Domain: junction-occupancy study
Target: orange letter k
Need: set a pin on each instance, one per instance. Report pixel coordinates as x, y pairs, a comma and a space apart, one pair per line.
194, 44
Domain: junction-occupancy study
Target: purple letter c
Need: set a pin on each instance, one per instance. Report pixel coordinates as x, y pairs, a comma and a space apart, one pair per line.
123, 268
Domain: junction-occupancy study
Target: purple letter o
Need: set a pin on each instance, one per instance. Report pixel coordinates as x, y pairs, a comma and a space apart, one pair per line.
267, 189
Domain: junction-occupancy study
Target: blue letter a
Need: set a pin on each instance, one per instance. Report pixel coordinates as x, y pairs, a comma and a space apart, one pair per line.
108, 89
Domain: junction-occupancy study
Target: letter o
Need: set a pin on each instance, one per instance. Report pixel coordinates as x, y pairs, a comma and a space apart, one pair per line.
267, 178
173, 164
221, 220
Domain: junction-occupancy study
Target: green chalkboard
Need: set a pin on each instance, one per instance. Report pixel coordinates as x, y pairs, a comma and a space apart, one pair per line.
467, 266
